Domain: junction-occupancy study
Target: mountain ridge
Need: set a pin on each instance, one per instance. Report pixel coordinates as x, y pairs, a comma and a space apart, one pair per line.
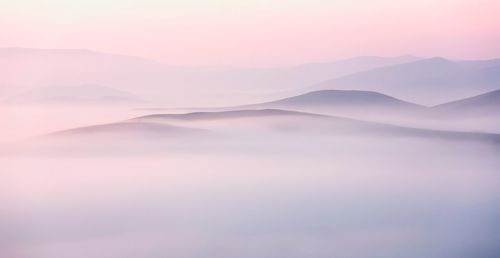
431, 80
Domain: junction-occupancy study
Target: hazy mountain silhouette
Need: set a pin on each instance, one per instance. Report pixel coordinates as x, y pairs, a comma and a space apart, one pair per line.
269, 120
425, 81
350, 103
341, 99
236, 114
80, 95
33, 68
30, 68
130, 129
317, 72
481, 105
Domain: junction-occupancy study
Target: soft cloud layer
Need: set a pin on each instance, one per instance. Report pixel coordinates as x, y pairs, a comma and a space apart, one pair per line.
256, 32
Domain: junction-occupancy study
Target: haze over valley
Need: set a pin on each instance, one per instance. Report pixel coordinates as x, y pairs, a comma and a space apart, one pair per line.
249, 129
310, 160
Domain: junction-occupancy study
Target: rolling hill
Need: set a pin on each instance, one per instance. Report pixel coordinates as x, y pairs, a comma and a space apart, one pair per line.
350, 103
251, 123
342, 99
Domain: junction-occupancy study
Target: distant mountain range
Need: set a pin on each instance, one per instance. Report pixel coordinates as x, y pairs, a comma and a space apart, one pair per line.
373, 106
477, 113
31, 68
427, 81
366, 101
308, 74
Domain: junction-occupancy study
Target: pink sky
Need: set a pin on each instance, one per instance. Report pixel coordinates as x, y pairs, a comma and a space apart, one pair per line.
256, 32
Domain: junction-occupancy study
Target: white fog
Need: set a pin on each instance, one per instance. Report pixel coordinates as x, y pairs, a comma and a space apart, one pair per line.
147, 160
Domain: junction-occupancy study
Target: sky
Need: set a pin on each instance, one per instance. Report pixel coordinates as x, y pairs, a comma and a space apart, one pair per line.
256, 32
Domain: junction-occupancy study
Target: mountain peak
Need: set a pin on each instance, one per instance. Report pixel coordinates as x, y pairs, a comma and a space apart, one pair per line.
434, 60
341, 98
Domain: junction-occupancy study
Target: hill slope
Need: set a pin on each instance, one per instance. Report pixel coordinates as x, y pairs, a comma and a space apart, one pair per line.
283, 121
481, 105
342, 98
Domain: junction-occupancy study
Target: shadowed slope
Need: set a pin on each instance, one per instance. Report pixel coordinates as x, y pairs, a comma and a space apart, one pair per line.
342, 98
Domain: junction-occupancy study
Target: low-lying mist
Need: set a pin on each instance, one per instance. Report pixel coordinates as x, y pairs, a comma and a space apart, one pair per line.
248, 184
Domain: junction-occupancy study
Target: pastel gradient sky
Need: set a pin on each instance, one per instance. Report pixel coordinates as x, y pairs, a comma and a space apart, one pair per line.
256, 32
